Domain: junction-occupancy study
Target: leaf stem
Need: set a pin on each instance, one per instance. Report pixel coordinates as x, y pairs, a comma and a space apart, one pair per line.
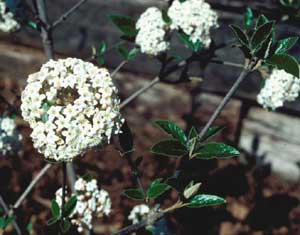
64, 189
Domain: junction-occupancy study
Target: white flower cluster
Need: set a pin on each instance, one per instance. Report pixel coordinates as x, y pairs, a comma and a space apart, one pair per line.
139, 213
7, 21
9, 136
279, 87
91, 203
151, 32
71, 105
195, 18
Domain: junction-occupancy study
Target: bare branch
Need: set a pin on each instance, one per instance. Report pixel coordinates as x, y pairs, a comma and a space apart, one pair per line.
67, 14
118, 68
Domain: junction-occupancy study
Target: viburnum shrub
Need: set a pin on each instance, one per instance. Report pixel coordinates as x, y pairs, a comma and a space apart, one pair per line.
72, 105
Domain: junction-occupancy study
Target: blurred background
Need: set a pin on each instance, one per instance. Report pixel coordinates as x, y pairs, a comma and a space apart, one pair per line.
261, 186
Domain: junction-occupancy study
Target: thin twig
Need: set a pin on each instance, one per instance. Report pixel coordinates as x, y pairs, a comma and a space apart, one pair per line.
118, 68
7, 212
31, 185
64, 188
67, 14
71, 176
232, 64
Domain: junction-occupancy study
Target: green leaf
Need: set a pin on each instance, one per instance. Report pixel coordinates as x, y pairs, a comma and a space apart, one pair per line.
169, 148
132, 53
134, 193
172, 129
100, 61
124, 23
52, 221
286, 62
195, 46
166, 17
261, 21
264, 51
126, 138
241, 36
156, 189
2, 222
87, 177
202, 200
286, 44
55, 209
29, 227
193, 133
123, 51
9, 220
102, 49
32, 24
212, 131
215, 150
191, 189
70, 205
65, 226
248, 18
261, 35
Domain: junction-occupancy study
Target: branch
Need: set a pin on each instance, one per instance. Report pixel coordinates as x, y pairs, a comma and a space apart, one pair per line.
232, 64
31, 185
118, 68
7, 212
64, 187
67, 14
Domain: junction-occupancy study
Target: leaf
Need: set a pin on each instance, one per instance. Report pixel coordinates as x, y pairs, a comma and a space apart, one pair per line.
264, 51
286, 44
172, 129
215, 150
29, 227
191, 190
156, 189
169, 148
193, 133
124, 23
166, 17
261, 21
102, 49
65, 226
123, 51
52, 221
212, 131
87, 177
248, 18
70, 206
136, 194
242, 37
195, 46
9, 220
2, 222
126, 138
286, 62
55, 209
202, 200
132, 53
261, 35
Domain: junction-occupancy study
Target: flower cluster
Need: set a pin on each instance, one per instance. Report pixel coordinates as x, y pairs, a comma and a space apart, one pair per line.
9, 137
139, 213
91, 203
195, 18
71, 105
279, 87
151, 32
7, 21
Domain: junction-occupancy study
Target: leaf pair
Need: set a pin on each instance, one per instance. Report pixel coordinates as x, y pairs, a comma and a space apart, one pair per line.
156, 189
127, 54
125, 24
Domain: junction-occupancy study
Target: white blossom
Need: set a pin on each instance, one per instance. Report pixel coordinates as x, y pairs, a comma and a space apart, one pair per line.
151, 32
139, 213
9, 136
69, 109
92, 203
279, 87
195, 18
7, 22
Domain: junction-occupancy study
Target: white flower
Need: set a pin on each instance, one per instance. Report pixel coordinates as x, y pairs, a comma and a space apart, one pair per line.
9, 137
139, 213
62, 104
279, 87
92, 202
195, 18
151, 32
7, 22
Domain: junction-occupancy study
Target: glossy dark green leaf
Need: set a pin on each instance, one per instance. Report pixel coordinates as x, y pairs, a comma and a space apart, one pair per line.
286, 44
52, 221
65, 225
32, 24
261, 21
264, 50
134, 193
100, 60
124, 23
9, 220
2, 222
55, 209
202, 200
215, 150
132, 53
193, 133
165, 17
248, 18
261, 34
123, 51
212, 131
285, 62
70, 205
172, 129
241, 36
156, 189
169, 148
87, 177
102, 49
191, 189
195, 46
29, 227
